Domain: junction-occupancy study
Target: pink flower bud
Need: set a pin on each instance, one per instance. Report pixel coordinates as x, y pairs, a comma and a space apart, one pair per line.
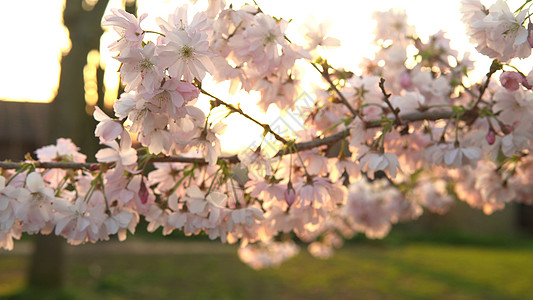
491, 137
405, 80
507, 129
143, 193
511, 80
289, 194
526, 84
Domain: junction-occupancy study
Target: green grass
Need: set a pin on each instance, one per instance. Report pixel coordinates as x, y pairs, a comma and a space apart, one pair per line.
418, 270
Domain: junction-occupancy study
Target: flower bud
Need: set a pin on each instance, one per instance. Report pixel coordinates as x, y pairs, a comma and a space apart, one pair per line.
143, 193
289, 194
491, 137
526, 84
507, 129
511, 80
405, 80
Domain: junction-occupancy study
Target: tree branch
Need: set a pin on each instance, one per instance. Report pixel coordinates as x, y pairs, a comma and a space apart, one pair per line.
386, 97
302, 146
325, 75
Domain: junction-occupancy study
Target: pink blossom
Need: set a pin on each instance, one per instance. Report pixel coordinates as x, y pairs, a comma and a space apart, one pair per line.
107, 128
127, 26
140, 70
386, 162
186, 55
122, 154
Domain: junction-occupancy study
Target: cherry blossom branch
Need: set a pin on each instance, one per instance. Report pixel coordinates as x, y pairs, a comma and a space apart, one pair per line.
417, 116
51, 165
325, 75
297, 147
395, 111
266, 127
495, 66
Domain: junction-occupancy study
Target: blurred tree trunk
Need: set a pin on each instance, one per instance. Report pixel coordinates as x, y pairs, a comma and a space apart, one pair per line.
70, 118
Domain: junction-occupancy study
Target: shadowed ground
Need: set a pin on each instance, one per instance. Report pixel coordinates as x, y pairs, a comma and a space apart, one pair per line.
146, 269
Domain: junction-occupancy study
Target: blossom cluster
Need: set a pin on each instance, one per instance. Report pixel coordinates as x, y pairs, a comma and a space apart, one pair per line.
409, 134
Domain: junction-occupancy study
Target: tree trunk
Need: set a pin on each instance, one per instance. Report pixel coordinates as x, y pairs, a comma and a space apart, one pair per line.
69, 119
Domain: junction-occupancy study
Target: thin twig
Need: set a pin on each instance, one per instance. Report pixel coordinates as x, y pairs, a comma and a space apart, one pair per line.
232, 108
386, 98
344, 101
493, 68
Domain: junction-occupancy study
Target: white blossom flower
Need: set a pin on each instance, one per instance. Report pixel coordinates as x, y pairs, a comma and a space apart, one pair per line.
386, 162
127, 26
186, 55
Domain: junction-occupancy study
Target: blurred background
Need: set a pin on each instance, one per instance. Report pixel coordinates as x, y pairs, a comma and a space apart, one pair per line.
56, 68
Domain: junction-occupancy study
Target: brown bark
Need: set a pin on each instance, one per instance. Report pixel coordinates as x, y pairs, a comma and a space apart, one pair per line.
69, 119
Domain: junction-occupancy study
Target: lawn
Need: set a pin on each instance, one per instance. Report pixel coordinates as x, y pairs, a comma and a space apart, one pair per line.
141, 269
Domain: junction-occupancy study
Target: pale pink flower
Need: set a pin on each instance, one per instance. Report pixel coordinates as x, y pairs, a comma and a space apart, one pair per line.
461, 156
409, 102
77, 221
517, 140
433, 196
474, 13
271, 193
127, 26
120, 220
107, 129
139, 70
165, 176
342, 165
491, 186
179, 21
392, 25
451, 155
366, 212
386, 162
314, 162
177, 217
157, 217
186, 55
125, 104
314, 193
7, 236
315, 33
35, 209
9, 203
122, 154
257, 162
497, 32
247, 215
209, 144
64, 150
171, 97
199, 203
512, 107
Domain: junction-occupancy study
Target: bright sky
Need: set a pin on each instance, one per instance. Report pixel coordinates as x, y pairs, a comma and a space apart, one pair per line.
31, 49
